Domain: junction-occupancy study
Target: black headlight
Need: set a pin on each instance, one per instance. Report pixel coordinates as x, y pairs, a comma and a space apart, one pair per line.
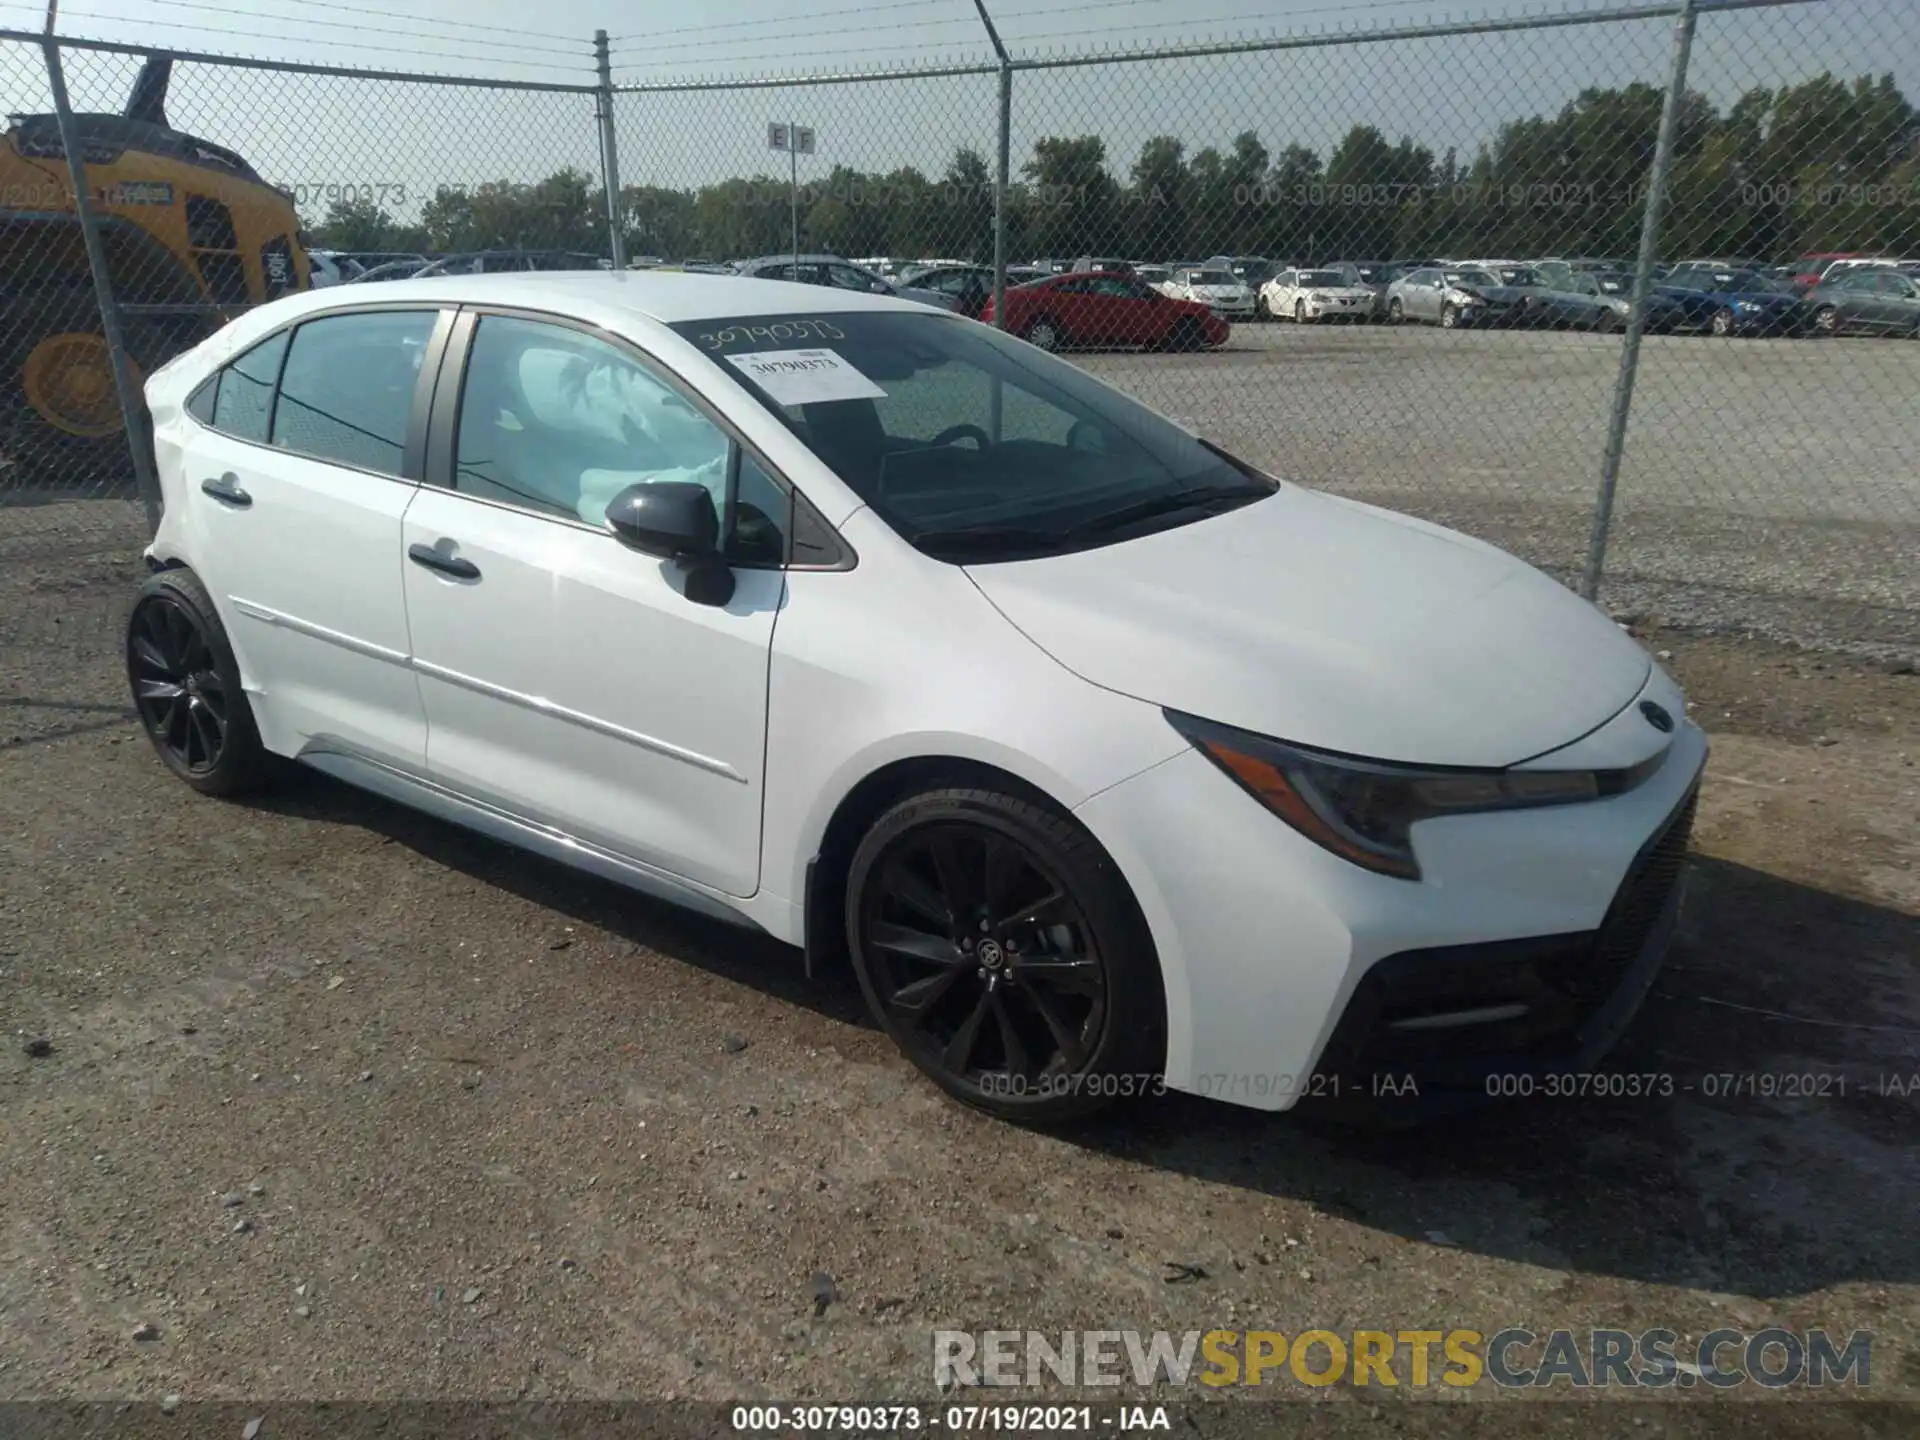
1365, 810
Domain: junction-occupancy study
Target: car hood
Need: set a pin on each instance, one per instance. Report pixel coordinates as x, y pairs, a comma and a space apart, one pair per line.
1332, 624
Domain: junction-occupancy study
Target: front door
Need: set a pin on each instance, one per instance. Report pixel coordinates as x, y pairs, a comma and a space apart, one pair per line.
567, 678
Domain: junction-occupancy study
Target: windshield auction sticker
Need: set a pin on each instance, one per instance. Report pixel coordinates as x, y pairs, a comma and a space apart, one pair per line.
802, 377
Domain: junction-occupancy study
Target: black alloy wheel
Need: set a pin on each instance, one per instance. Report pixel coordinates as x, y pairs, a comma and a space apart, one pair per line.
1002, 954
186, 687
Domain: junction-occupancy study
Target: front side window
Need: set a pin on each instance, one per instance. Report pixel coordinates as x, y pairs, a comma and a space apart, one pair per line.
845, 277
347, 391
244, 403
969, 443
558, 421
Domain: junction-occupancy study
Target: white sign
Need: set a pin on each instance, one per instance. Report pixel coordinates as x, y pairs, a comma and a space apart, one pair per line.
797, 138
801, 377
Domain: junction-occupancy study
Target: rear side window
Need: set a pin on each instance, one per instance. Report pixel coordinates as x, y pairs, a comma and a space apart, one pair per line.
346, 393
245, 400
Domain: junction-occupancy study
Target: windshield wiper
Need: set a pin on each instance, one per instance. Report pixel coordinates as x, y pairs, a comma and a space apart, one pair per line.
986, 539
1198, 496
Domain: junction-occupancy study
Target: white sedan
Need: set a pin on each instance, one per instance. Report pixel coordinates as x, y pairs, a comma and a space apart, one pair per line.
1307, 295
1112, 762
1220, 290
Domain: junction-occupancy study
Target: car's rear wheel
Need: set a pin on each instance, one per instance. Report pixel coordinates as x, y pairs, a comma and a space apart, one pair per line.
1826, 320
999, 947
1042, 333
186, 687
1606, 322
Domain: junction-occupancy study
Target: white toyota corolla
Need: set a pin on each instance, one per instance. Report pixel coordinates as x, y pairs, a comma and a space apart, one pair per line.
1112, 762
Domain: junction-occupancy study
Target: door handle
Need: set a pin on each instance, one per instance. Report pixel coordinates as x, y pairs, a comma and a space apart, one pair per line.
227, 490
446, 564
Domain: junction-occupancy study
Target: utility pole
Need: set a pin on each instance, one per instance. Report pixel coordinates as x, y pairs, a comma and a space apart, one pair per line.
609, 151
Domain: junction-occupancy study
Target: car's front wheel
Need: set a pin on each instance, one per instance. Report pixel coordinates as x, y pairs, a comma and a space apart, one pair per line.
1396, 312
1723, 322
999, 947
1449, 317
186, 687
1299, 312
1826, 320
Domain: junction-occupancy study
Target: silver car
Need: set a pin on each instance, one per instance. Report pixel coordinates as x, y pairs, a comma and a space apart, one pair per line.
1452, 298
837, 274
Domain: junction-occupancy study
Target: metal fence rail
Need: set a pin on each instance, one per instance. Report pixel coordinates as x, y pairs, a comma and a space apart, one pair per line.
1666, 439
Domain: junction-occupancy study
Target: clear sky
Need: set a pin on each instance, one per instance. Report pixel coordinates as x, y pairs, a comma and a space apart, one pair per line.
319, 131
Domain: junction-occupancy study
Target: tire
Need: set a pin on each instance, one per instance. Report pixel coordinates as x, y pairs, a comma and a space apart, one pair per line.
1606, 323
1261, 310
1299, 312
1449, 317
1723, 324
1826, 321
1043, 333
1031, 1020
186, 687
1396, 312
60, 421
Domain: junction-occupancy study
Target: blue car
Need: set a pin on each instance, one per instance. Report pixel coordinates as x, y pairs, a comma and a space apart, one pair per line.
1738, 302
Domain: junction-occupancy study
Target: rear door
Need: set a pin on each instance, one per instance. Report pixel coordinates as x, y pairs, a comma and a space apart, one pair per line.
296, 484
568, 679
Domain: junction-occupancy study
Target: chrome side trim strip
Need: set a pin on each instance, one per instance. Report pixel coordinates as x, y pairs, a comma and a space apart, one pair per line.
535, 703
542, 706
317, 632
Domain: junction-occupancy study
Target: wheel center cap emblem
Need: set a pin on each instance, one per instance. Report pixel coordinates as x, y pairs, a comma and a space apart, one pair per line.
990, 955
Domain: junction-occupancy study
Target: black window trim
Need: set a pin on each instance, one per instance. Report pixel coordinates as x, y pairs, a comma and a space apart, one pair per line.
443, 428
413, 452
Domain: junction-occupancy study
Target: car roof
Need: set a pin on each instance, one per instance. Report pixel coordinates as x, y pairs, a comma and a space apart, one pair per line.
666, 297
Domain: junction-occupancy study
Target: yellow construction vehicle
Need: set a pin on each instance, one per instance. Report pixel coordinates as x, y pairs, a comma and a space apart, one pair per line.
192, 236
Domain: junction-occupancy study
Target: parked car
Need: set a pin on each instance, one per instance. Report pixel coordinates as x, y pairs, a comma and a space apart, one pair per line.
418, 548
1218, 290
1453, 298
964, 289
1613, 294
1308, 295
1158, 276
1745, 302
1874, 300
1106, 264
1253, 271
1816, 268
497, 262
1099, 310
837, 274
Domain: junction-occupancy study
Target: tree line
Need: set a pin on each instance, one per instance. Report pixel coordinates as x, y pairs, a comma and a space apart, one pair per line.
1823, 165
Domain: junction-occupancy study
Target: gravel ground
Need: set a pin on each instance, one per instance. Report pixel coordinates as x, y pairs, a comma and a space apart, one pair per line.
343, 1102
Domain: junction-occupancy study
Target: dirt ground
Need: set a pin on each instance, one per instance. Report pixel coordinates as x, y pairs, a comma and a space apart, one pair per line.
347, 1103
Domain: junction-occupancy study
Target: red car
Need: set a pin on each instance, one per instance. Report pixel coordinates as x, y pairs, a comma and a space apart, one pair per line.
1102, 308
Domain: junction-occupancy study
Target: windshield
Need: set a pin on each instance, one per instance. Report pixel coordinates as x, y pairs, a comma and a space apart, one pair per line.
1472, 277
1748, 282
1519, 275
1211, 277
1322, 278
971, 444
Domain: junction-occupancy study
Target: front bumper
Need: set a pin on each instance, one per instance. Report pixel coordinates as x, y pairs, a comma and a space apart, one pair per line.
1289, 973
1358, 309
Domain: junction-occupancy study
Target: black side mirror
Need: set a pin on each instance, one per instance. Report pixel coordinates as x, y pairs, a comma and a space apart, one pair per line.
676, 520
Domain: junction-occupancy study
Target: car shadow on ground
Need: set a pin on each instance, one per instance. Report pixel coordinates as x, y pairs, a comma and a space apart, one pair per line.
1709, 1183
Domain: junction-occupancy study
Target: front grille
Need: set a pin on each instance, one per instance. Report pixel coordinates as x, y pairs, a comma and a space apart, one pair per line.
1638, 904
1450, 1016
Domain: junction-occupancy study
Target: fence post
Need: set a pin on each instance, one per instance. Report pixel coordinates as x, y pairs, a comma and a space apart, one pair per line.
1636, 316
609, 151
1002, 161
132, 404
1002, 165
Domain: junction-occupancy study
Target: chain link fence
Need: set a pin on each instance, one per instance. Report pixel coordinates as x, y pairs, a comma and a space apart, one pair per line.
1634, 292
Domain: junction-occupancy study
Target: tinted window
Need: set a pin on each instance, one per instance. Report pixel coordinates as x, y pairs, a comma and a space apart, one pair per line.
245, 401
944, 425
559, 421
760, 520
200, 403
347, 391
845, 277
